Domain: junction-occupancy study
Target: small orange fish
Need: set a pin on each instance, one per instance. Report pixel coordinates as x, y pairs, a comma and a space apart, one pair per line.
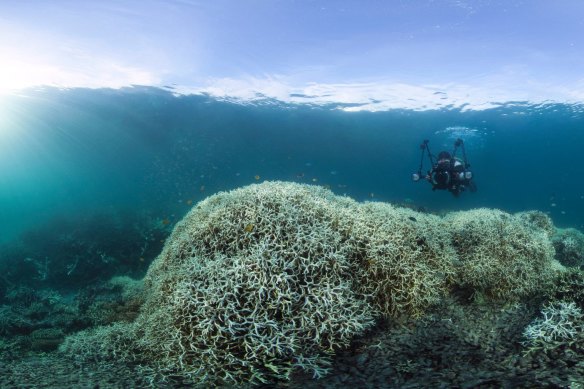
165, 222
257, 177
249, 228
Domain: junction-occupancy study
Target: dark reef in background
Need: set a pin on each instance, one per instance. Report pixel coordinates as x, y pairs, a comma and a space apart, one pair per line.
72, 251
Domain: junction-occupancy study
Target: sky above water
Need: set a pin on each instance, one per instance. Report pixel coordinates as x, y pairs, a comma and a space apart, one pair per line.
434, 53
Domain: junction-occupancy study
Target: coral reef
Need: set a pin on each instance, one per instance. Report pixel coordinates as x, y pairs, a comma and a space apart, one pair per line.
117, 300
36, 320
459, 343
537, 220
568, 286
271, 279
71, 251
39, 320
250, 285
561, 323
46, 339
500, 255
554, 339
27, 310
404, 260
569, 245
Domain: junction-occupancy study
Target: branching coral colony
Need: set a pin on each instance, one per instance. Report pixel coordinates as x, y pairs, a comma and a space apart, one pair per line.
560, 323
260, 281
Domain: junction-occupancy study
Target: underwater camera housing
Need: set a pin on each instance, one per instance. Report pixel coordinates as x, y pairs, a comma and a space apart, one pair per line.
441, 178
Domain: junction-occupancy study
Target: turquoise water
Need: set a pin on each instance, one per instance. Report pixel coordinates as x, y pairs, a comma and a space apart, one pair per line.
93, 182
79, 151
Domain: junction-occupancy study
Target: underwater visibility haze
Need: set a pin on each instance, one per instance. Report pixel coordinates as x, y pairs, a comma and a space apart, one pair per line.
70, 151
157, 154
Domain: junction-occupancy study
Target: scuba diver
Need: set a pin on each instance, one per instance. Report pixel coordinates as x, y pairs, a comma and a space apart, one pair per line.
448, 171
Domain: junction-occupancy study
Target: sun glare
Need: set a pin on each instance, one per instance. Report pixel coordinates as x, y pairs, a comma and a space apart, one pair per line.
15, 74
5, 123
18, 72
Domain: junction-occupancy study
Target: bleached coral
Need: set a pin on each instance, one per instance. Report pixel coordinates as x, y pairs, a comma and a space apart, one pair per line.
537, 220
119, 299
105, 343
499, 254
561, 323
569, 244
569, 285
264, 280
252, 284
405, 259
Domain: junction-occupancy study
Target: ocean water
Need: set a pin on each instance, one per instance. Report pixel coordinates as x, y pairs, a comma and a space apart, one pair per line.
79, 150
92, 182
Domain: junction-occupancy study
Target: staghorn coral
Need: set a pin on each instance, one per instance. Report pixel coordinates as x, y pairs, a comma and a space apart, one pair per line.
119, 299
250, 285
569, 245
537, 220
562, 323
258, 282
11, 322
106, 343
569, 285
46, 339
258, 279
499, 254
405, 262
